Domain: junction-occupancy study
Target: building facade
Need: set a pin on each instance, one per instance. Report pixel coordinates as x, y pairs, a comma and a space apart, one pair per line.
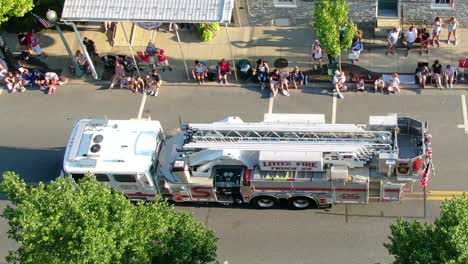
300, 12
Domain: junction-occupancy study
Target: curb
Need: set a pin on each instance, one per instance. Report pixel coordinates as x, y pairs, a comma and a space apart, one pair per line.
254, 85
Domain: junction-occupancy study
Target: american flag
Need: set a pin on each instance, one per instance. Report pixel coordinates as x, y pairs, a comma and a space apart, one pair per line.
44, 22
425, 177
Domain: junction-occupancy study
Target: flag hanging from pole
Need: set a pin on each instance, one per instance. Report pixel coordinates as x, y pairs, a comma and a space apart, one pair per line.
452, 4
42, 21
425, 176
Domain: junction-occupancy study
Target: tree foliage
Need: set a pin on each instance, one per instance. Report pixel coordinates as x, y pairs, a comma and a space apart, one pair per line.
330, 17
14, 8
444, 242
63, 222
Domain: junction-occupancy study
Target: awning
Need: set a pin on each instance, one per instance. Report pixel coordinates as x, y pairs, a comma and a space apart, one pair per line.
180, 11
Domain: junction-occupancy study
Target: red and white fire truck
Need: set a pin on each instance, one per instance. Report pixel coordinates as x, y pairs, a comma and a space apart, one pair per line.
293, 157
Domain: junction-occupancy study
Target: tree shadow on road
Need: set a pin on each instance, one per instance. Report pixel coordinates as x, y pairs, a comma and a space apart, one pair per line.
33, 165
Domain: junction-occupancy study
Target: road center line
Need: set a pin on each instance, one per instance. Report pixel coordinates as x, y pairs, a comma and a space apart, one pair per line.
142, 106
270, 104
465, 116
333, 119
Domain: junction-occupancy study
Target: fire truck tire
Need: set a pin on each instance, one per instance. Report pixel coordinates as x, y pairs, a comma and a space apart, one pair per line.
301, 203
263, 202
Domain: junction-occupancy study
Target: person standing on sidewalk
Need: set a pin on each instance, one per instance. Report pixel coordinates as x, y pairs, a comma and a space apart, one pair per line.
392, 39
356, 48
90, 47
317, 54
163, 62
436, 31
119, 73
410, 37
33, 42
452, 29
425, 41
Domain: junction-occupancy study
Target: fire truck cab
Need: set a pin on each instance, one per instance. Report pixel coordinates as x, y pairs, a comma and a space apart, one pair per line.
293, 157
120, 153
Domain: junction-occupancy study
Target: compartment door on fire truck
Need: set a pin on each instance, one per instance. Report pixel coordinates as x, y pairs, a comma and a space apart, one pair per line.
351, 192
226, 181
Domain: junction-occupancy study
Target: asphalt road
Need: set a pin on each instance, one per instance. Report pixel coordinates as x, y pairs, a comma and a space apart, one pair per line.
35, 128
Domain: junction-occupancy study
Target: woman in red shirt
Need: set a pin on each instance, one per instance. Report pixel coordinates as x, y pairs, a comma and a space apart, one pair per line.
224, 69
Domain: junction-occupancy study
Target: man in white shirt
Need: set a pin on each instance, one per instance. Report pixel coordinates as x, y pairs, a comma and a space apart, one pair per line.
392, 39
379, 84
339, 80
410, 37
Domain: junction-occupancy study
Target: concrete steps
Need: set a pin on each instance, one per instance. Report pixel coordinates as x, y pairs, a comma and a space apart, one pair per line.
384, 24
387, 22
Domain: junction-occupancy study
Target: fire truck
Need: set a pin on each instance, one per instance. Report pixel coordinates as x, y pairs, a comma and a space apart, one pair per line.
120, 153
293, 157
296, 158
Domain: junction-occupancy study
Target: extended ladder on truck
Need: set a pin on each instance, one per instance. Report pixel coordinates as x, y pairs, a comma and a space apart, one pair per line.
270, 136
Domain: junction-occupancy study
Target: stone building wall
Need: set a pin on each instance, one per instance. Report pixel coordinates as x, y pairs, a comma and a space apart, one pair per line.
420, 12
264, 12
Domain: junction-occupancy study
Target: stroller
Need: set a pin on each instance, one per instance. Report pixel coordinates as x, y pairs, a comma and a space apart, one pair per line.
127, 61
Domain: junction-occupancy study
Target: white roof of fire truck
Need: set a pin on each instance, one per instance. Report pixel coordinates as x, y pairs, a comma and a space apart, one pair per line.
111, 146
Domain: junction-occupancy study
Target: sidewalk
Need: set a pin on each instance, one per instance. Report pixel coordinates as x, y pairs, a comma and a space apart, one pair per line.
249, 43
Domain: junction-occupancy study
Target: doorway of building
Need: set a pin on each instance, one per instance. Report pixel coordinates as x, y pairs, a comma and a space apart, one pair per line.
387, 8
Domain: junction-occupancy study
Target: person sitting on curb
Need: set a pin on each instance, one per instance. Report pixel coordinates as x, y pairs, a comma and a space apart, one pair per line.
360, 85
437, 73
379, 84
224, 70
449, 76
274, 82
394, 85
163, 62
261, 72
140, 84
19, 83
339, 85
297, 78
284, 81
125, 82
199, 72
423, 75
10, 82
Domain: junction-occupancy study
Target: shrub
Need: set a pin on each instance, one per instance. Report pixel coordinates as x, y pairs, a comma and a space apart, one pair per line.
207, 30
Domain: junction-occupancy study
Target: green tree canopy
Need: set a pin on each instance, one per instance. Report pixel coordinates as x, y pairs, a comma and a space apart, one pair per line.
444, 242
332, 26
14, 8
63, 222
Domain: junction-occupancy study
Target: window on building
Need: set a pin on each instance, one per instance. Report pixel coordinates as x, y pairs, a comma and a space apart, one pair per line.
441, 4
124, 178
285, 3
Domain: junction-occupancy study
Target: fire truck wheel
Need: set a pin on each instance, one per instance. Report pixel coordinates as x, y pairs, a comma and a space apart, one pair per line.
263, 202
300, 203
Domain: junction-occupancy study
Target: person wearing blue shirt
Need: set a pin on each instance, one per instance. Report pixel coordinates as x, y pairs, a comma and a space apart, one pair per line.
356, 48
